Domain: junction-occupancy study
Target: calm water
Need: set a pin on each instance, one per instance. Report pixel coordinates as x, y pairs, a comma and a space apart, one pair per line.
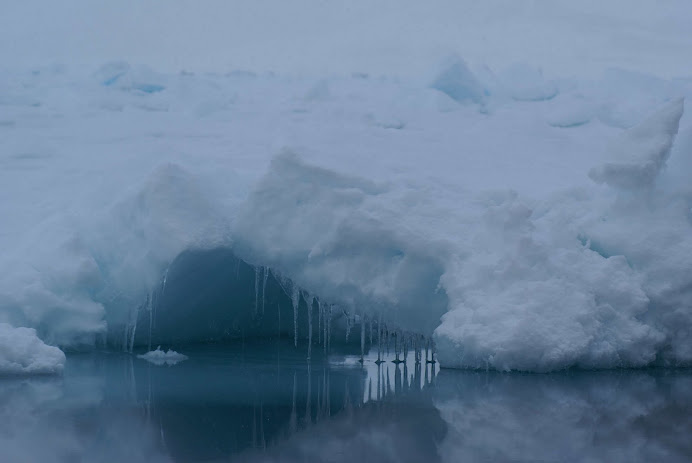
262, 403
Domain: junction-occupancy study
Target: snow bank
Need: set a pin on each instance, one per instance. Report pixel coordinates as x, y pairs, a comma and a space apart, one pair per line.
23, 353
159, 357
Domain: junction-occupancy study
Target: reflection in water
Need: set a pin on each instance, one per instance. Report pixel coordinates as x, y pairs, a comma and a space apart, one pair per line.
614, 416
260, 403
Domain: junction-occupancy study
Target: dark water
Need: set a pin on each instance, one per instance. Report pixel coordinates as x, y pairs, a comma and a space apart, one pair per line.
263, 403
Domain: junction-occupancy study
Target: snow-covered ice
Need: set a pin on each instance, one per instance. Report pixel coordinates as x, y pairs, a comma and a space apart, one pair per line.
642, 151
23, 353
527, 210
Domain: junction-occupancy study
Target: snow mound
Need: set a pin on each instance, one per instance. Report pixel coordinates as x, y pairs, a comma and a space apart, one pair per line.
457, 81
640, 154
159, 357
23, 353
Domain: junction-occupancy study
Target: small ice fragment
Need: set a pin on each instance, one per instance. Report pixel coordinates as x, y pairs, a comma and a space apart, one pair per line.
159, 357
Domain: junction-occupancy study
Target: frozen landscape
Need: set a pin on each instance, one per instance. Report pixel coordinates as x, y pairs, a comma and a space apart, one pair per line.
503, 186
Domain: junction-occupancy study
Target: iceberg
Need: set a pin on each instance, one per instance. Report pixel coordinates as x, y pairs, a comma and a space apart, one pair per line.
480, 237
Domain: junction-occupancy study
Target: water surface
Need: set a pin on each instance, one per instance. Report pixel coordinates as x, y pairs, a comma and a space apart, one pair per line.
266, 402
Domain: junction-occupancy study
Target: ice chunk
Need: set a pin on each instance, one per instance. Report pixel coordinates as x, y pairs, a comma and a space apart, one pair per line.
23, 353
121, 75
642, 151
457, 81
159, 357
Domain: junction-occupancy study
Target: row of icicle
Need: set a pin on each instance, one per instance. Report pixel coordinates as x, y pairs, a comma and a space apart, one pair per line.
403, 342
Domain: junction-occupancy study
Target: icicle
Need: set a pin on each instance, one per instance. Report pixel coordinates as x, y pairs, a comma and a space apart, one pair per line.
370, 324
319, 322
151, 322
379, 339
387, 337
278, 310
257, 283
264, 286
309, 299
397, 347
324, 327
348, 326
362, 339
165, 279
295, 299
405, 347
134, 326
329, 328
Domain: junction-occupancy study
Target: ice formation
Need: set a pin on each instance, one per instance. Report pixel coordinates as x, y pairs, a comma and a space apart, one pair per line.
23, 353
452, 212
160, 357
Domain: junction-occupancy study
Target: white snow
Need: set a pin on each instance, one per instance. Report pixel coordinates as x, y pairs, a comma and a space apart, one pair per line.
455, 200
23, 353
642, 151
159, 357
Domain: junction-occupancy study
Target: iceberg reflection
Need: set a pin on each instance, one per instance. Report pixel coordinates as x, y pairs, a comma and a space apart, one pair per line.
264, 402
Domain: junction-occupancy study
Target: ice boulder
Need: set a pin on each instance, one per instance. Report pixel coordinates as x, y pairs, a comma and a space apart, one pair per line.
638, 156
458, 82
23, 353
